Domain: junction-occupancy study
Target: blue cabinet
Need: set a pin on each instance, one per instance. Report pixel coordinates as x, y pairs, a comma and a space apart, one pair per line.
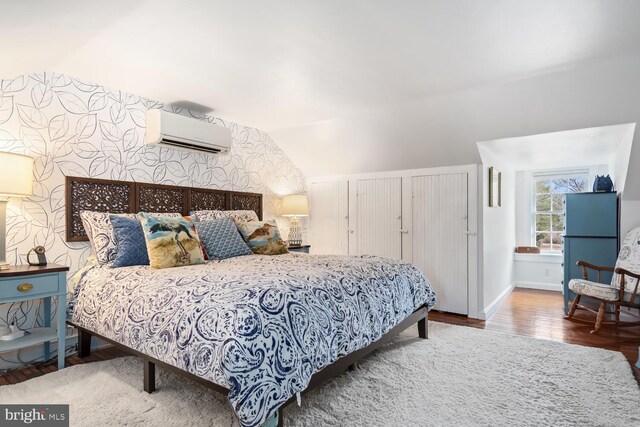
591, 215
591, 235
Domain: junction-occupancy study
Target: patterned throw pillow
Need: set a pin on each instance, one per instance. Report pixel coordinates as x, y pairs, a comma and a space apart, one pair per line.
221, 239
236, 216
98, 227
130, 242
171, 242
99, 230
263, 237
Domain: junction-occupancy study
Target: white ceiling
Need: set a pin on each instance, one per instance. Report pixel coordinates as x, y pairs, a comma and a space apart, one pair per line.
566, 149
352, 86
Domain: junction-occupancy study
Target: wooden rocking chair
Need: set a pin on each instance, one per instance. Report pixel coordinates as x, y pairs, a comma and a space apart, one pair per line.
623, 290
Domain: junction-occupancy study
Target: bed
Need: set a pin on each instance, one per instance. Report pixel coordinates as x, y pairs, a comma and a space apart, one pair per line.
261, 329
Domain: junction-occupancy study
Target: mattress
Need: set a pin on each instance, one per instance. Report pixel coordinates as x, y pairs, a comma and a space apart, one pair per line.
260, 326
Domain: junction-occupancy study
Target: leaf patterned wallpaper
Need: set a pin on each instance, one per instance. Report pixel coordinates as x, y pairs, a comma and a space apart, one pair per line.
72, 127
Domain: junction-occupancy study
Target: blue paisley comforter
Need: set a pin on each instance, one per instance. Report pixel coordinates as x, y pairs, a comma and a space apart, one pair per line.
260, 326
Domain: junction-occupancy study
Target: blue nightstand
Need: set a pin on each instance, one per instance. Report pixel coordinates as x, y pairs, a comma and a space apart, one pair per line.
24, 283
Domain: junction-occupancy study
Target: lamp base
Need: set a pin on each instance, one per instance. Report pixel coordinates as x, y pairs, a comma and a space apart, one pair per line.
295, 233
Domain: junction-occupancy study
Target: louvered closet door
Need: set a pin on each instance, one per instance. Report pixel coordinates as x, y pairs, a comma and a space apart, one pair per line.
329, 218
378, 217
440, 237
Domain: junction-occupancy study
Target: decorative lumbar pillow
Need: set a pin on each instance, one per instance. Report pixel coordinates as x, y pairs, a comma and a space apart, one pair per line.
99, 230
221, 239
263, 237
171, 242
130, 242
236, 216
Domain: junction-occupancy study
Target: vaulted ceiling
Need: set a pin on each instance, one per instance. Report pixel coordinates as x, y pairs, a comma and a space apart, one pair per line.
352, 86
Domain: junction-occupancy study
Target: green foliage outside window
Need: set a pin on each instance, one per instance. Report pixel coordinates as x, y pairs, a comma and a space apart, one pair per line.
549, 208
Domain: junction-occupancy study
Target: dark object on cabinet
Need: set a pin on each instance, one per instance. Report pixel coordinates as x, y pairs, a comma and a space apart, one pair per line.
591, 235
602, 184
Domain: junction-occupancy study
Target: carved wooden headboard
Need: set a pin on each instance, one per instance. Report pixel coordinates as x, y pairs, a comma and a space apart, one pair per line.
131, 197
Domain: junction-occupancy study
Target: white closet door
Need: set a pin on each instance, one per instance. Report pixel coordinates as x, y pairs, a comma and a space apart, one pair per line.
329, 218
440, 237
378, 217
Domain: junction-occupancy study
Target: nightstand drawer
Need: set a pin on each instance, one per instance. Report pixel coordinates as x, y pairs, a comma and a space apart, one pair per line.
28, 286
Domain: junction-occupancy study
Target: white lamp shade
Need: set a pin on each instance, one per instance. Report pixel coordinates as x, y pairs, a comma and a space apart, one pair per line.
295, 205
16, 175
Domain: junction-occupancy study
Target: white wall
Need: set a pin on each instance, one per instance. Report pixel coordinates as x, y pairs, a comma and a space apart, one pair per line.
619, 165
498, 238
538, 271
626, 177
523, 208
631, 190
629, 216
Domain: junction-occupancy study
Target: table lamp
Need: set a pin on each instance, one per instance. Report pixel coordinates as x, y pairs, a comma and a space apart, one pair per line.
295, 206
16, 179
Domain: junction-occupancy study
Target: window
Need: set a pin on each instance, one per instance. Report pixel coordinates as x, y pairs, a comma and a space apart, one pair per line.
548, 206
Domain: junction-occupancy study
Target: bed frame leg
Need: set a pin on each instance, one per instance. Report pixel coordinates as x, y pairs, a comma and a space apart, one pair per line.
423, 331
149, 376
84, 343
280, 417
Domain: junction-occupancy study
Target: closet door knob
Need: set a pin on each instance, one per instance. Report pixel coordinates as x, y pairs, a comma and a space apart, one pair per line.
404, 231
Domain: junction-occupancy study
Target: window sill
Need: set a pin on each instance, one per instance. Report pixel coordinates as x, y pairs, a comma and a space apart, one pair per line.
555, 258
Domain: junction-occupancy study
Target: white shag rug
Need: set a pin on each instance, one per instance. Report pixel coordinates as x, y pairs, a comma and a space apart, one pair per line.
459, 377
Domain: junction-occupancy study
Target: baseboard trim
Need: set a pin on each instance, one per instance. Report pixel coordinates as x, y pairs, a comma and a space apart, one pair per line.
541, 286
491, 308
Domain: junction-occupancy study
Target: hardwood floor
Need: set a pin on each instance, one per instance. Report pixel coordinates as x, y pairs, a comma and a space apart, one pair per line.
527, 312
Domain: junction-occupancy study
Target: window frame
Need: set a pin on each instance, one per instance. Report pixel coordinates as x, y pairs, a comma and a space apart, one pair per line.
550, 175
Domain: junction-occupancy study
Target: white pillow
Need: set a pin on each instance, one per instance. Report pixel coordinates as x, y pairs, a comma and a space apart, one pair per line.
99, 230
236, 216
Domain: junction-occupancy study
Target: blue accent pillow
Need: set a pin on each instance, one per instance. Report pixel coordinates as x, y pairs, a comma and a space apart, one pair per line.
130, 242
221, 238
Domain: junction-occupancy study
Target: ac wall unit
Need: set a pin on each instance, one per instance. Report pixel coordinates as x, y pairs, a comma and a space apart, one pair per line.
184, 133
